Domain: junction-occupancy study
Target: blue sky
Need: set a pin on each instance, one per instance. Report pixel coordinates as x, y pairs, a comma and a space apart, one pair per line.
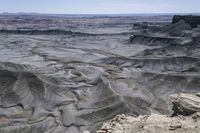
100, 6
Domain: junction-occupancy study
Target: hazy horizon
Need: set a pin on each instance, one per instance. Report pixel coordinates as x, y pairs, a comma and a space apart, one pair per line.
100, 6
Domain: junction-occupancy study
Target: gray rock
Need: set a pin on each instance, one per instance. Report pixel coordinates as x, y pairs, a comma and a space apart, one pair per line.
193, 21
185, 104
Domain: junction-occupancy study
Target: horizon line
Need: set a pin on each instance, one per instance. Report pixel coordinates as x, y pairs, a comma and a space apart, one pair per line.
40, 13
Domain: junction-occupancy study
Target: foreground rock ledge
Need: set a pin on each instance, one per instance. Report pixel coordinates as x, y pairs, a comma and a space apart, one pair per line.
152, 124
186, 119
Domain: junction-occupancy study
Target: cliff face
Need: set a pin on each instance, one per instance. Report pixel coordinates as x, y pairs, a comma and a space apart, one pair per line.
193, 21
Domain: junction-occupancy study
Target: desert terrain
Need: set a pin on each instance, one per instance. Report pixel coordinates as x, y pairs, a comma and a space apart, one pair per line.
69, 74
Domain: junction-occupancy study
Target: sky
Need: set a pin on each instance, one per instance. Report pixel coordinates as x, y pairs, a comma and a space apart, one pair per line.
100, 6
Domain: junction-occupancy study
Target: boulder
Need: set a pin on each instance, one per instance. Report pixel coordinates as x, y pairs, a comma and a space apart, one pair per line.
185, 104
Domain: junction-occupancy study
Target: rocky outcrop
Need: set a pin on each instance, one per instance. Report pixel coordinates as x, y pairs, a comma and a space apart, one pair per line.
193, 21
175, 29
152, 124
185, 104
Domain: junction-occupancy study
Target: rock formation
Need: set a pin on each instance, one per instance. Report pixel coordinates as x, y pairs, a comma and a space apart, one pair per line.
192, 20
185, 104
152, 124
